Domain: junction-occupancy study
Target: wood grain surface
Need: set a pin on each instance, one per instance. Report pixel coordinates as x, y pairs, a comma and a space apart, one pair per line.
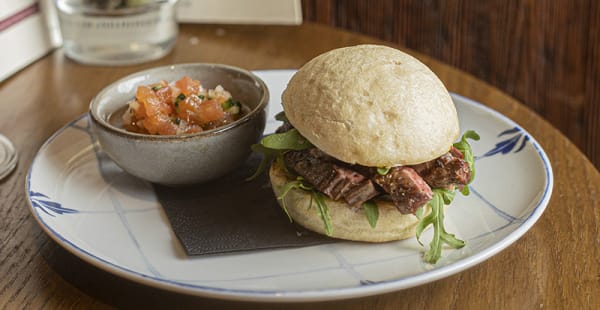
546, 54
553, 266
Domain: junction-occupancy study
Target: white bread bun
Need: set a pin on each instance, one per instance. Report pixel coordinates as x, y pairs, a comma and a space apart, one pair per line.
347, 223
372, 105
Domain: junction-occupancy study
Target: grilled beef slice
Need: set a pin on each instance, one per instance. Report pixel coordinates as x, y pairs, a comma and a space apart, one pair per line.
407, 189
329, 177
408, 186
445, 171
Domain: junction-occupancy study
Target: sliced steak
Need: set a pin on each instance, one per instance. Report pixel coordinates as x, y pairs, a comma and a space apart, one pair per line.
360, 193
342, 181
317, 171
336, 181
407, 189
408, 186
445, 171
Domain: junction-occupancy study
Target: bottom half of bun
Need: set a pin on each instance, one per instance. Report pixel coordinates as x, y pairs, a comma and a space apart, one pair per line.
346, 222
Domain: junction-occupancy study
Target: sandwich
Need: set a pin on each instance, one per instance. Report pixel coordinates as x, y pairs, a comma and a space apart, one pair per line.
368, 149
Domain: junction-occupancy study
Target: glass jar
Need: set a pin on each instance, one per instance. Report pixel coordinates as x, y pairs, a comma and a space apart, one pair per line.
117, 32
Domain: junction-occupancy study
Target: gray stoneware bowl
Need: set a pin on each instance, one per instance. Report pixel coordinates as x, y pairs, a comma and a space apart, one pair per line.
185, 159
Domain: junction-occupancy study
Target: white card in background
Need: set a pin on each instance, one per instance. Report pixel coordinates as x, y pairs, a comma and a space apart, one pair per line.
286, 12
28, 31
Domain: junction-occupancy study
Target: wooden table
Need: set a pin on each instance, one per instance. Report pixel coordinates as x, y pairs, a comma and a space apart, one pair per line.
554, 265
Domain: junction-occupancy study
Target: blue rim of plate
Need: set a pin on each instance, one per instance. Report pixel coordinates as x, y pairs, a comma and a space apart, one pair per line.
310, 295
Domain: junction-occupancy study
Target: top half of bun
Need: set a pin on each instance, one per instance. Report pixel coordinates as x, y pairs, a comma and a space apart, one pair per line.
372, 105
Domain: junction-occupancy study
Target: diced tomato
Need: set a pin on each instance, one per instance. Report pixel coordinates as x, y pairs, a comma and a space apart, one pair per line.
189, 108
139, 110
152, 103
166, 109
156, 120
165, 95
161, 124
210, 110
188, 86
189, 128
194, 110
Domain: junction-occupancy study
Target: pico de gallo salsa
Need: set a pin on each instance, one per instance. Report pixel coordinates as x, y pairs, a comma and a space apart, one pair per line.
180, 107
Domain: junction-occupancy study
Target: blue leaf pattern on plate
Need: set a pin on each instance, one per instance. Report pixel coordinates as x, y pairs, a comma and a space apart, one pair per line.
38, 200
508, 145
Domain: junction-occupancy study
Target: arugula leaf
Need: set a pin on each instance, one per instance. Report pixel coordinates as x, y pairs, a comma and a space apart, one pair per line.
323, 211
316, 196
465, 148
273, 146
419, 212
281, 117
286, 189
443, 197
296, 184
372, 212
289, 140
440, 235
424, 222
447, 195
383, 170
268, 156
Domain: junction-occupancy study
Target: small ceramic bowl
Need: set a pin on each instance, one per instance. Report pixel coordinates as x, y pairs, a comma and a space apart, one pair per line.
183, 159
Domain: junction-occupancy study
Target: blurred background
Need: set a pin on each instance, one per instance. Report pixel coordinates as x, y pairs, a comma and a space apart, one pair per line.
546, 54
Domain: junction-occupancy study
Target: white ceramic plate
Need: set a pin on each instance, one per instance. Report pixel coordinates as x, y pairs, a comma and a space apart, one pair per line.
113, 221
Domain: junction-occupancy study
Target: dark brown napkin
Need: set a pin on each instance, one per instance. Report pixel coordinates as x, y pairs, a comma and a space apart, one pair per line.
232, 214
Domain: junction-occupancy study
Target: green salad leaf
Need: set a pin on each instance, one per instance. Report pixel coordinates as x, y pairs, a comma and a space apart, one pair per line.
323, 211
281, 117
286, 189
383, 170
316, 196
440, 198
298, 183
371, 212
464, 146
440, 235
268, 156
273, 146
289, 140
